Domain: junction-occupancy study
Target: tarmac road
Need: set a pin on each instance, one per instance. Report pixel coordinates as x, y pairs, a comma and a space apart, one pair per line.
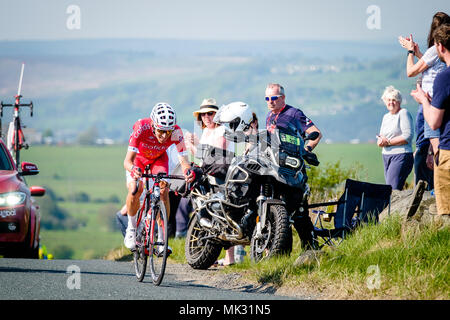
26, 279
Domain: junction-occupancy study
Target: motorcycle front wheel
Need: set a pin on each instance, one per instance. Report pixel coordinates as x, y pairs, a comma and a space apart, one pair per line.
200, 253
276, 235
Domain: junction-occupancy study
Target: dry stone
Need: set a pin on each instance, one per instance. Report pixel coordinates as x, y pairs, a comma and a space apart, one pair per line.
426, 212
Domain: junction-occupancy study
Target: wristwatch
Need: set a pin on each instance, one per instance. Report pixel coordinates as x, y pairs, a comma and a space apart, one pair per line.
410, 51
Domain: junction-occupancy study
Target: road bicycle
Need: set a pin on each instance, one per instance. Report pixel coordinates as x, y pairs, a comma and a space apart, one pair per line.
15, 136
148, 242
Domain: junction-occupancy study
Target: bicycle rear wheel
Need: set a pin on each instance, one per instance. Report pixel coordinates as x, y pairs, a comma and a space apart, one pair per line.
158, 243
139, 255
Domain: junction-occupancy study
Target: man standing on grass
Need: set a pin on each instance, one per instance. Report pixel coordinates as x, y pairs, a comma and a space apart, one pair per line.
436, 112
281, 116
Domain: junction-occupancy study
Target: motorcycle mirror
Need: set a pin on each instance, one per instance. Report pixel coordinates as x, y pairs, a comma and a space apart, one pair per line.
312, 136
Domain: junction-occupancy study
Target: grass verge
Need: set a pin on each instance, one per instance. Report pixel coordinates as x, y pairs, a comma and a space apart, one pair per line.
384, 261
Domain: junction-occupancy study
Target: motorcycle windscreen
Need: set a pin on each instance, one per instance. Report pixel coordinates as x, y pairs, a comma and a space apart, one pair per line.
292, 144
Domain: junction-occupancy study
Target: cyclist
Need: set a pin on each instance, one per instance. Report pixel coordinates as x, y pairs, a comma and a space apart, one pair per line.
147, 146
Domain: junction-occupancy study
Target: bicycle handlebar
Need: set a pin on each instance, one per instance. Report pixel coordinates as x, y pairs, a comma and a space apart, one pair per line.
158, 177
3, 105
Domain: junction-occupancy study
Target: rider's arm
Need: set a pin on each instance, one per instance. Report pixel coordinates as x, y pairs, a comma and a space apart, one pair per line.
313, 143
185, 165
128, 162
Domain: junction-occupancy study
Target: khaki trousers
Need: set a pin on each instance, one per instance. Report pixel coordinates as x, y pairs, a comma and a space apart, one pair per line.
442, 181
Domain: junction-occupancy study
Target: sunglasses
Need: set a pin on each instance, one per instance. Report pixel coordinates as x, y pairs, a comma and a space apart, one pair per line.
161, 132
210, 113
273, 98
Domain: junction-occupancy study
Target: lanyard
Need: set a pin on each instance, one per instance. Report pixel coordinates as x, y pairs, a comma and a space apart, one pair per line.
272, 126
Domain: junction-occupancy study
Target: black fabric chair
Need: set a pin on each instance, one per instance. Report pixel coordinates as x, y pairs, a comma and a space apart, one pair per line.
360, 203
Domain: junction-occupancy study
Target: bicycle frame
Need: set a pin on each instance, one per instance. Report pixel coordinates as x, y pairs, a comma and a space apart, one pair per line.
152, 198
19, 139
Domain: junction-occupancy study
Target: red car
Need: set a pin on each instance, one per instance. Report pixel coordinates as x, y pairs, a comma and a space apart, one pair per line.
19, 213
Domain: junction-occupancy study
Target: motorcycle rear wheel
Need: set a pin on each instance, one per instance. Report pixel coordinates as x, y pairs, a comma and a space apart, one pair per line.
276, 235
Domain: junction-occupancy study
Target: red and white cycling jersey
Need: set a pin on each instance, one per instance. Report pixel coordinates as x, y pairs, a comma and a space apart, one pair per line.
146, 145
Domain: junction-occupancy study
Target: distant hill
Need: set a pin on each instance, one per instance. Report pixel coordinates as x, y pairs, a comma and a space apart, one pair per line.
108, 84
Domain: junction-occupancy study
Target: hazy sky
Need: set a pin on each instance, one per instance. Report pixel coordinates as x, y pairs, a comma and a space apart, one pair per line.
214, 19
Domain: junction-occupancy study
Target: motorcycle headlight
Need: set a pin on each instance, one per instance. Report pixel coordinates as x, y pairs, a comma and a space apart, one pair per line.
12, 198
292, 162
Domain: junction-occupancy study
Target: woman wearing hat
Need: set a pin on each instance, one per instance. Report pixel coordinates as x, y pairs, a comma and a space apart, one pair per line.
213, 135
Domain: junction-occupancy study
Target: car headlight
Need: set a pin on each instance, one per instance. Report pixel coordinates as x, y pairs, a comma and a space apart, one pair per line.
12, 198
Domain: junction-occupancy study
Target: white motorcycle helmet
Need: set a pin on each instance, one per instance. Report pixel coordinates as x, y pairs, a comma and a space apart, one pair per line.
163, 116
235, 117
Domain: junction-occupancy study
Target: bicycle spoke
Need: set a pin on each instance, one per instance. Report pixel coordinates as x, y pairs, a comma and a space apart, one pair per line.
139, 256
158, 247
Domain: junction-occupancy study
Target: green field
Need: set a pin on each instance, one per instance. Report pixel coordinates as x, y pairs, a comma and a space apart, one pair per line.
98, 172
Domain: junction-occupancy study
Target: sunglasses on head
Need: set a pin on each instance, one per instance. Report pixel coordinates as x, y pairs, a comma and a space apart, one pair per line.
273, 98
210, 113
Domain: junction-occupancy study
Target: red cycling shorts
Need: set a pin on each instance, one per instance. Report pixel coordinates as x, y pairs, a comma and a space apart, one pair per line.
158, 165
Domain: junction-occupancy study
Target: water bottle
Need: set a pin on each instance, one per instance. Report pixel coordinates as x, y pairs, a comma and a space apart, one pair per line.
239, 253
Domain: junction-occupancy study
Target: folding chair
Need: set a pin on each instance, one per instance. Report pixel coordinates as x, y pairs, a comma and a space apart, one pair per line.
360, 203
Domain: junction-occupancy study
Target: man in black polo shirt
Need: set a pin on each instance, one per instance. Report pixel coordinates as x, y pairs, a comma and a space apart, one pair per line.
437, 113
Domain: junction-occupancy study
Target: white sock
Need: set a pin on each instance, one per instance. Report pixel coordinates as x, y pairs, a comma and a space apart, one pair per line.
132, 221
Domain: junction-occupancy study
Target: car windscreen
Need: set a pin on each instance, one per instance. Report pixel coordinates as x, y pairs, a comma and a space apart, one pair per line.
5, 163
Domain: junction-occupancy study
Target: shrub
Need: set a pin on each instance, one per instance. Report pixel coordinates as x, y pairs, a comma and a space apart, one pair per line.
324, 180
52, 216
107, 217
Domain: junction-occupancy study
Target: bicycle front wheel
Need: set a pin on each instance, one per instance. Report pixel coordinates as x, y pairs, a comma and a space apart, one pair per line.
139, 255
158, 242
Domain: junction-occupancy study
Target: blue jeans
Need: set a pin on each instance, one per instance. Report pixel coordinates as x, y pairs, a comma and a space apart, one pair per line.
182, 215
397, 168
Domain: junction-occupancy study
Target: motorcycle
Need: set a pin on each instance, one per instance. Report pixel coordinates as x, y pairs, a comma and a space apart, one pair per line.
254, 205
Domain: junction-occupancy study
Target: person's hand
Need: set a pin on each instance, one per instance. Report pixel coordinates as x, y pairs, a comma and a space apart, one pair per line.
382, 141
136, 172
417, 52
419, 95
408, 43
430, 161
189, 176
191, 138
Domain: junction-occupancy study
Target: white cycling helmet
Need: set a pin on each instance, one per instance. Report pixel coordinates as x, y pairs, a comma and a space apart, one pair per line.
163, 116
235, 116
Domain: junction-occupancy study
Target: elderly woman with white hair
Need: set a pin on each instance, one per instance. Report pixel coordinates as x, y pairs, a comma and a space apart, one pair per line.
395, 138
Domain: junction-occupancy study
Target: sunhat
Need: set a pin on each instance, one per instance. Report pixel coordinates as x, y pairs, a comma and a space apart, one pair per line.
207, 105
